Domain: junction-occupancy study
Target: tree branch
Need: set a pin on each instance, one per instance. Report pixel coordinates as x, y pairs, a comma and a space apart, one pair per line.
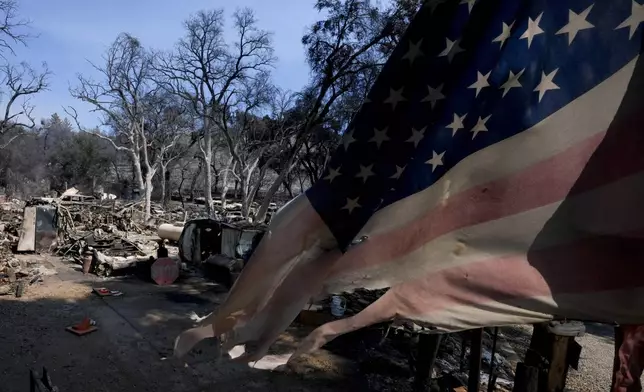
74, 115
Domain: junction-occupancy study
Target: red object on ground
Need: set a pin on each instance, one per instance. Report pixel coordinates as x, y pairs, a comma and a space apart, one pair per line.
165, 271
83, 325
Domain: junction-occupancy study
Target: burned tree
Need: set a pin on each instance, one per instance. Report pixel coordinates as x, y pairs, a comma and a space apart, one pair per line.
345, 52
169, 126
19, 81
215, 78
132, 109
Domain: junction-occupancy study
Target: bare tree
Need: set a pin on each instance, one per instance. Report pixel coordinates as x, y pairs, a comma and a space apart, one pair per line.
213, 76
131, 108
343, 51
20, 81
169, 127
11, 27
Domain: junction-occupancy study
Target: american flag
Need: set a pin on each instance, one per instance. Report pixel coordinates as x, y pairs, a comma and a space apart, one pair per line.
493, 176
468, 75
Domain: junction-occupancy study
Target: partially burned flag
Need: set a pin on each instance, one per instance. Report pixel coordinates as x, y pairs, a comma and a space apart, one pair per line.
493, 177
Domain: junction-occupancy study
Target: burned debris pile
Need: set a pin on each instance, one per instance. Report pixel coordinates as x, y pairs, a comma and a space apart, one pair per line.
109, 235
10, 222
15, 274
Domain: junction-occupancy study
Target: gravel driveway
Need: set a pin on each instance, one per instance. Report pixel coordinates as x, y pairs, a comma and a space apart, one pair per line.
596, 363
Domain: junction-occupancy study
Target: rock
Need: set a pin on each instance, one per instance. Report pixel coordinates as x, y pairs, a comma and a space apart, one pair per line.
13, 263
11, 274
5, 289
20, 289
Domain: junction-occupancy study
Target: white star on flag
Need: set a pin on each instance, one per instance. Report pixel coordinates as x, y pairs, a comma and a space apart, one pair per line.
505, 34
333, 173
434, 95
480, 126
452, 48
417, 136
457, 123
395, 96
533, 29
546, 83
481, 82
513, 81
379, 136
414, 51
399, 172
470, 4
633, 21
365, 172
352, 204
437, 160
347, 139
576, 23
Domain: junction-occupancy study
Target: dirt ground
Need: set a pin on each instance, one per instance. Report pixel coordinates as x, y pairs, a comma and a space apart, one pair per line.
131, 350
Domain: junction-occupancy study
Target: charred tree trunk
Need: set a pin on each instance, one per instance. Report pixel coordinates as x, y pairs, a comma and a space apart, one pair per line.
208, 179
148, 194
288, 186
193, 182
230, 165
165, 179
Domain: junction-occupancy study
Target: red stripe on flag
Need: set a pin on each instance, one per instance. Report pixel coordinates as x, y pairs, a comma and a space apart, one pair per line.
541, 184
580, 168
595, 264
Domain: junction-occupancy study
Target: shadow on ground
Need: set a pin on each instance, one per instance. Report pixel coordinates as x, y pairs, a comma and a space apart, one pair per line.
601, 330
132, 349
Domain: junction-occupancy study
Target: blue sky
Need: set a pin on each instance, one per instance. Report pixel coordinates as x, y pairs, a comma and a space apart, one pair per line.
74, 31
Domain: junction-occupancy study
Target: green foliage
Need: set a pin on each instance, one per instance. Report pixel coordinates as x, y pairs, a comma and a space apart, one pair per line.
82, 160
53, 157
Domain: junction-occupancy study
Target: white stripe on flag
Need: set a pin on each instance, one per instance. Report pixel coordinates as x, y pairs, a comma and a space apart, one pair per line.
588, 115
599, 211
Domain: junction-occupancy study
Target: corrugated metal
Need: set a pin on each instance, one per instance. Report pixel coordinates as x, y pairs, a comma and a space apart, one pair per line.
229, 239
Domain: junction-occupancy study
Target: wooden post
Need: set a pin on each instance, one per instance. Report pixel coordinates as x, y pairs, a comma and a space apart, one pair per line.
558, 369
461, 357
491, 381
551, 354
526, 378
428, 345
475, 360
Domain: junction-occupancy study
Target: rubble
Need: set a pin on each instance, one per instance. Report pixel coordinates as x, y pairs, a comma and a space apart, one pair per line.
392, 347
10, 222
107, 229
115, 235
16, 275
104, 265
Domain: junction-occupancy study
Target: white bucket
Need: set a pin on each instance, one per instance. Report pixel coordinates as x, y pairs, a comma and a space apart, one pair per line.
338, 306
